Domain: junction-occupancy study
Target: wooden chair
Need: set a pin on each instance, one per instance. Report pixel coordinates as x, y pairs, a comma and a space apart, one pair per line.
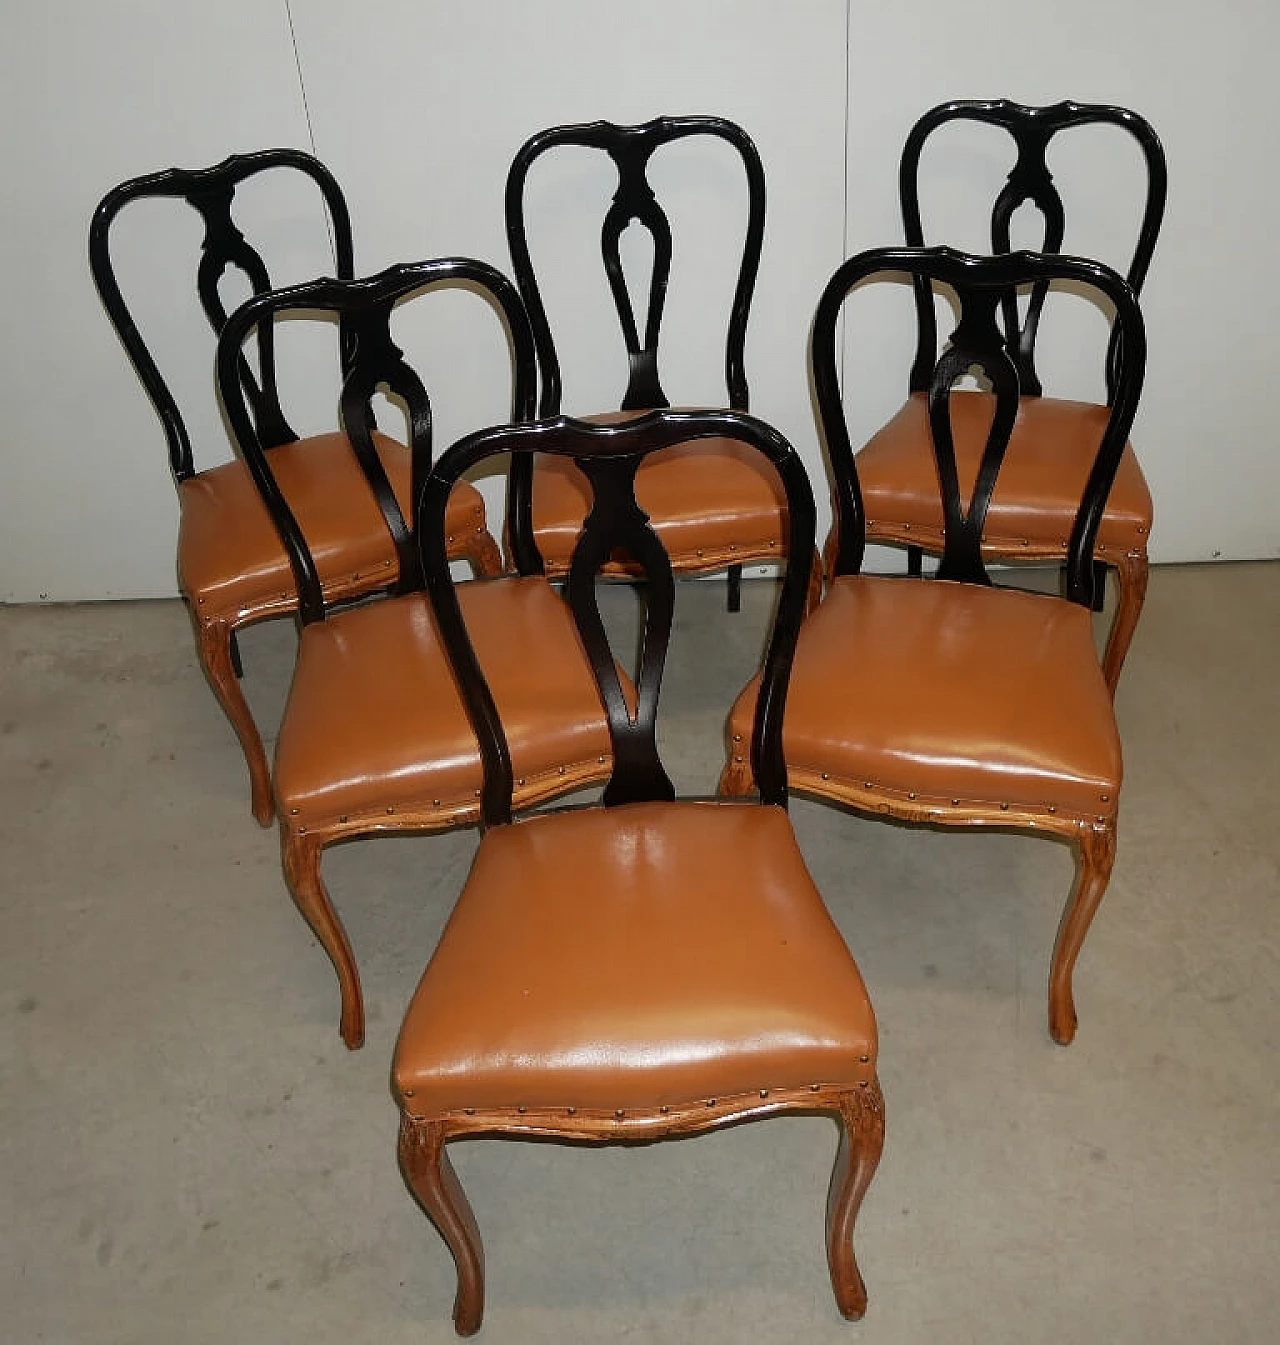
713, 504
649, 967
950, 701
1054, 439
374, 736
232, 566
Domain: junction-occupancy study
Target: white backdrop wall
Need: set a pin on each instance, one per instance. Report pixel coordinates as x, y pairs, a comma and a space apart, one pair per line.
418, 105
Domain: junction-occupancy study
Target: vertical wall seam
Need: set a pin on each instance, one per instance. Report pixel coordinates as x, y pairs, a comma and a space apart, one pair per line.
306, 113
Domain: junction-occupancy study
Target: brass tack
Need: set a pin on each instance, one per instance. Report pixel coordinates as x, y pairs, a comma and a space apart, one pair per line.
699, 552
477, 793
911, 794
737, 737
863, 1083
825, 776
1101, 818
600, 760
1025, 542
199, 602
1052, 808
813, 1087
408, 1092
866, 784
733, 546
342, 819
435, 803
619, 1114
711, 1102
356, 575
386, 564
906, 527
573, 1111
471, 1111
522, 1110
302, 831
665, 1110
864, 1058
764, 1092
1004, 807
955, 803
772, 542
390, 810
293, 812
560, 770
1106, 798
520, 781
449, 538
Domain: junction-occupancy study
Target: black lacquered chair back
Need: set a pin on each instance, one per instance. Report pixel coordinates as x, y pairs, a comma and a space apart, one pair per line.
364, 308
979, 285
211, 193
610, 456
1030, 181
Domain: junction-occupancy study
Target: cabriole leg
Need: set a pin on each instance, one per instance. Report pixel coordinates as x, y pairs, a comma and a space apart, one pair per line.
1097, 855
861, 1140
214, 643
1131, 592
302, 871
434, 1183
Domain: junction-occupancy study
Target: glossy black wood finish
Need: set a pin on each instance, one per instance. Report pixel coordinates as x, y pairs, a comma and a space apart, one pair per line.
211, 192
1032, 130
979, 285
610, 456
374, 361
631, 148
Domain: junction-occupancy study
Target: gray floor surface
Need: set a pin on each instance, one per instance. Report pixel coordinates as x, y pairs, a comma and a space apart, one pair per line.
188, 1153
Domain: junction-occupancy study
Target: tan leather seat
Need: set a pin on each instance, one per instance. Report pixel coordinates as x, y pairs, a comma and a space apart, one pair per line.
713, 503
374, 724
231, 560
1040, 486
714, 969
947, 695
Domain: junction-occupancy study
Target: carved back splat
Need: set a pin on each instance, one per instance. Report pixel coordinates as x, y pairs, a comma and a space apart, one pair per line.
1032, 130
979, 284
211, 192
374, 361
609, 456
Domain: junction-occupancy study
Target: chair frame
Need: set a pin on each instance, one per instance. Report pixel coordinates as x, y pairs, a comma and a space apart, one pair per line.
211, 193
630, 148
979, 284
610, 455
365, 308
1032, 130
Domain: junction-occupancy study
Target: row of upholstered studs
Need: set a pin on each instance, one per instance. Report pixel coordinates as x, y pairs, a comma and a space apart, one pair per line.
911, 794
1139, 528
435, 803
620, 1113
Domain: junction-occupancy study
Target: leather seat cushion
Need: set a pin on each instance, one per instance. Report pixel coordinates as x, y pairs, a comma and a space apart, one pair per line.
942, 691
1040, 484
633, 957
374, 718
231, 560
713, 496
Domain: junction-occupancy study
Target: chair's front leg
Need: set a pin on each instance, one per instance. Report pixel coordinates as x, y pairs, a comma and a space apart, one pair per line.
1097, 855
433, 1181
861, 1141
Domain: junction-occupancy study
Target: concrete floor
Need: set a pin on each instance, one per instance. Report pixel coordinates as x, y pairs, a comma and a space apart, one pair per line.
188, 1153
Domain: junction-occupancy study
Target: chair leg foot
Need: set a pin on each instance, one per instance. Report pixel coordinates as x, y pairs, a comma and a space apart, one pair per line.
215, 642
735, 588
861, 1140
435, 1185
1132, 573
302, 871
485, 556
1097, 855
